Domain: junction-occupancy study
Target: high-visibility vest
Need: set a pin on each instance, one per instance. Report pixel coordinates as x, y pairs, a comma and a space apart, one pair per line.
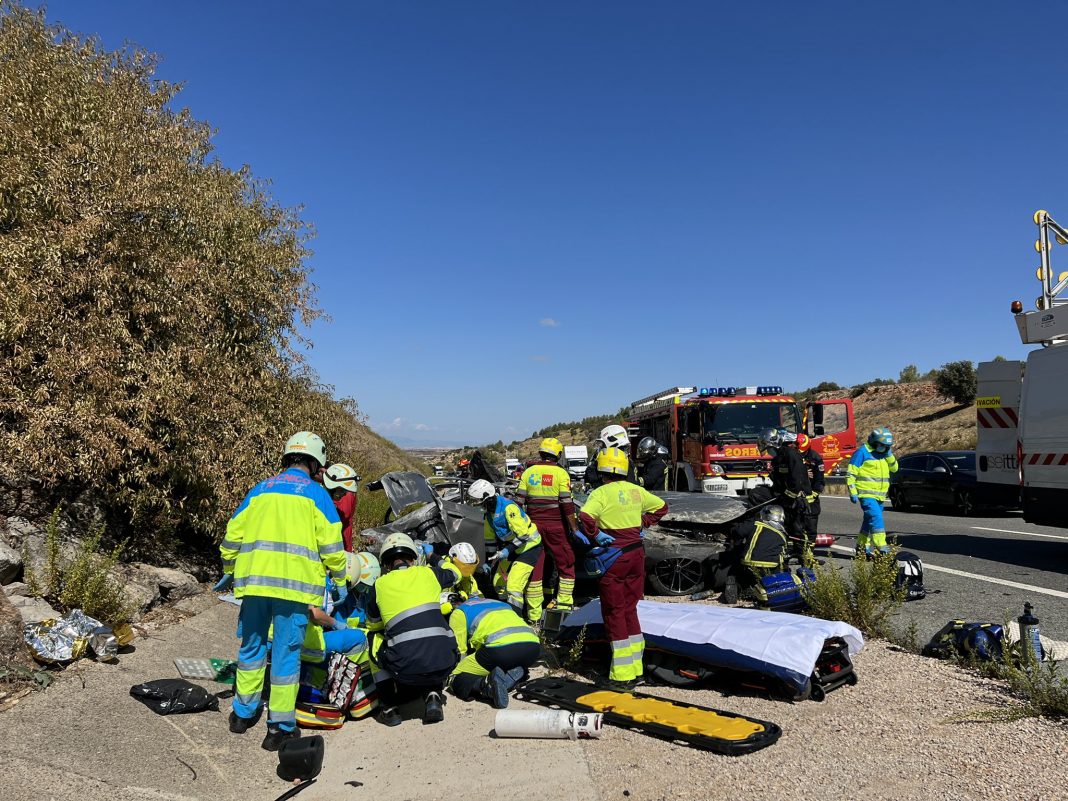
409, 603
510, 524
868, 475
493, 623
544, 485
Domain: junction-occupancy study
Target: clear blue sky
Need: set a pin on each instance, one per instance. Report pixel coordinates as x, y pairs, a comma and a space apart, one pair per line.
531, 212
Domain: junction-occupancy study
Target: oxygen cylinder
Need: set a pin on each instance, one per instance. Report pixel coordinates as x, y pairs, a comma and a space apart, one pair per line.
1030, 643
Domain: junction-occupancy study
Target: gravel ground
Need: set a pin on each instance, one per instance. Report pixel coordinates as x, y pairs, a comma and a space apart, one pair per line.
889, 737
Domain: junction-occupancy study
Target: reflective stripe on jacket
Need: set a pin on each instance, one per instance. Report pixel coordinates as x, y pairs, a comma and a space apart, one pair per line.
484, 623
510, 524
283, 540
545, 484
868, 475
767, 547
620, 509
407, 604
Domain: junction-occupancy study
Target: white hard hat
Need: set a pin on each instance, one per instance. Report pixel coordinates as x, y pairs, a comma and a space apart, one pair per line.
614, 436
481, 490
398, 542
362, 568
341, 476
463, 552
307, 444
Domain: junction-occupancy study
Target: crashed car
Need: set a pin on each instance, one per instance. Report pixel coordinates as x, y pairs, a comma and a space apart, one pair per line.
682, 550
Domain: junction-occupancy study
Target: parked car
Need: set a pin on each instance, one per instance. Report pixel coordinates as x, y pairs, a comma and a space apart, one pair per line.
946, 479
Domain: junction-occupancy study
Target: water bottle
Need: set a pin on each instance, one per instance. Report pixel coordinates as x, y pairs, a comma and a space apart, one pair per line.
1030, 643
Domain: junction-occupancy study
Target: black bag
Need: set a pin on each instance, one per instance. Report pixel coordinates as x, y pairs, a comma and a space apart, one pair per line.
174, 696
964, 639
910, 576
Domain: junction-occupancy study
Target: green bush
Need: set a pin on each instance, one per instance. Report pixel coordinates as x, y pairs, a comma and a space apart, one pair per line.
956, 381
863, 596
909, 374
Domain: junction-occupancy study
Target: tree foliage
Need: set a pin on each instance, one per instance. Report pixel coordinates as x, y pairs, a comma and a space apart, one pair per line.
151, 298
956, 381
909, 374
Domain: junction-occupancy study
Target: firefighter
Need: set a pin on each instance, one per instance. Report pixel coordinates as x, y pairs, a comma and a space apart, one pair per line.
765, 544
652, 469
544, 493
419, 649
496, 645
341, 481
612, 436
868, 479
613, 518
789, 477
519, 556
817, 479
282, 549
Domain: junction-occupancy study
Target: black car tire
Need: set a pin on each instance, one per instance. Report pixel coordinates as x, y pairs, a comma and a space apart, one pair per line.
677, 575
965, 503
898, 500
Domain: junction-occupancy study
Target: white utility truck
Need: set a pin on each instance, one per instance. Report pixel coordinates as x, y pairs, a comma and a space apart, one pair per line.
576, 458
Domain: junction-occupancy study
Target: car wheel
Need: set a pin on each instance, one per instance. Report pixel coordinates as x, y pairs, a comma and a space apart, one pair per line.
898, 499
677, 576
965, 503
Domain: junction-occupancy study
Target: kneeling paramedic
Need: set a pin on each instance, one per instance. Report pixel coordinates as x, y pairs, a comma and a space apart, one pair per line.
519, 555
497, 647
280, 545
868, 479
613, 517
419, 652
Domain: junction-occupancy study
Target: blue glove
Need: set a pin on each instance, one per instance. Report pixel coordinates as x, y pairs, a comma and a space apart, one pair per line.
485, 568
503, 554
428, 549
582, 538
853, 498
224, 584
339, 592
641, 534
604, 539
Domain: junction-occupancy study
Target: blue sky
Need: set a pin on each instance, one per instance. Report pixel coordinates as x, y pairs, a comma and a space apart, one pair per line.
531, 212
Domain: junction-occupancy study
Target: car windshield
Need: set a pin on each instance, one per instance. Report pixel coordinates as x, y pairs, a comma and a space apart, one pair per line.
576, 462
961, 461
743, 421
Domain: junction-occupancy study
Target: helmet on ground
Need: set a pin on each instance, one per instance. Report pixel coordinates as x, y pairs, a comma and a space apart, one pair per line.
613, 461
362, 568
305, 443
480, 490
551, 446
881, 440
803, 443
647, 448
398, 546
615, 436
464, 557
341, 476
769, 441
773, 516
450, 599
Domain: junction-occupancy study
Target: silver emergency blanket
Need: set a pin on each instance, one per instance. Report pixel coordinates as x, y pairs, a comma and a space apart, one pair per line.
774, 643
71, 637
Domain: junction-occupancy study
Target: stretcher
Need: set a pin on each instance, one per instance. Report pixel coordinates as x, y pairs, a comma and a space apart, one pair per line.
699, 726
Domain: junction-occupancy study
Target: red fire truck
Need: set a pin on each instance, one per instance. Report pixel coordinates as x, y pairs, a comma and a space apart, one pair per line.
712, 432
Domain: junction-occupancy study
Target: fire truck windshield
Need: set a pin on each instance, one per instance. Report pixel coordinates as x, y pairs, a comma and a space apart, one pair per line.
743, 422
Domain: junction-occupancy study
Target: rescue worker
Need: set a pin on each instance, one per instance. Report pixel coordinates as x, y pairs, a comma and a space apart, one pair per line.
611, 436
341, 481
789, 477
519, 554
765, 545
652, 469
868, 479
496, 645
544, 493
419, 650
614, 516
282, 547
463, 558
817, 479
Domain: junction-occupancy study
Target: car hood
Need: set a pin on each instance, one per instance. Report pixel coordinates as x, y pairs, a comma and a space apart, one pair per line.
700, 507
404, 489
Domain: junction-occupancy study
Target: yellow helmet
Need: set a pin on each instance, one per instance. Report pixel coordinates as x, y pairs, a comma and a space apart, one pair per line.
341, 476
551, 446
613, 460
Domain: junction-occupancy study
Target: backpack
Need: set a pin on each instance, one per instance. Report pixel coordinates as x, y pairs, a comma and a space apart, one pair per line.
910, 576
960, 638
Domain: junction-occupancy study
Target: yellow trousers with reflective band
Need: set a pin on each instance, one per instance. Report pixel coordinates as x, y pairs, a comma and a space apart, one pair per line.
627, 658
514, 578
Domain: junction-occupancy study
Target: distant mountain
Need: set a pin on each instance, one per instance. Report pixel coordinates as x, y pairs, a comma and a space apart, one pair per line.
415, 443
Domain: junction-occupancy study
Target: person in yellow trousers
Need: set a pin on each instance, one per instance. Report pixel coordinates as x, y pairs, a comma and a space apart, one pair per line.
282, 550
496, 645
613, 520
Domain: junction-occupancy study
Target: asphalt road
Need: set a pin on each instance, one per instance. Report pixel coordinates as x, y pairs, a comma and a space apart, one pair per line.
976, 568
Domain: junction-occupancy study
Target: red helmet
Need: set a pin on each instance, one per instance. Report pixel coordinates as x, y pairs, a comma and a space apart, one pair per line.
803, 442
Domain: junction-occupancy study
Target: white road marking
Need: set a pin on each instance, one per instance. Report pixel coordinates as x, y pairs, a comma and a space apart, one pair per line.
964, 574
1022, 533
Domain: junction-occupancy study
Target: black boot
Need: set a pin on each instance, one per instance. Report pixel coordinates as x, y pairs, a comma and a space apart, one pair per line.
434, 711
239, 725
276, 736
390, 716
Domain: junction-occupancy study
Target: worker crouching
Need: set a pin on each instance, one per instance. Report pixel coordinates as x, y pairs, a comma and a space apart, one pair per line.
613, 518
419, 649
498, 647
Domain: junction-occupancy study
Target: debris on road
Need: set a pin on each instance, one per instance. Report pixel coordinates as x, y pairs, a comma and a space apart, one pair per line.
71, 637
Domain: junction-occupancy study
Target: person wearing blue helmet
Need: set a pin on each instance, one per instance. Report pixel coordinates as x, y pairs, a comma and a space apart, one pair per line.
868, 479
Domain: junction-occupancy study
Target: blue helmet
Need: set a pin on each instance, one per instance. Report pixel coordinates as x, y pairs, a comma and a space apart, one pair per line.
881, 440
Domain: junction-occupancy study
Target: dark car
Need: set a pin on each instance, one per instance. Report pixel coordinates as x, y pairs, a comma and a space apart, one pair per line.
946, 479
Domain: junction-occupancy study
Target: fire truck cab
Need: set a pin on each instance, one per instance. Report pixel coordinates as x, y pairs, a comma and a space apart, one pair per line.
712, 432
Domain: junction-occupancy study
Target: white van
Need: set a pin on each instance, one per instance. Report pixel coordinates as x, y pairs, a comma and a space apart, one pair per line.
1043, 449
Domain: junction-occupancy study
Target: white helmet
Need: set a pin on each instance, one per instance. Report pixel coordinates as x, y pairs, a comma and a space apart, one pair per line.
394, 544
463, 552
340, 476
307, 444
362, 568
481, 490
615, 436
